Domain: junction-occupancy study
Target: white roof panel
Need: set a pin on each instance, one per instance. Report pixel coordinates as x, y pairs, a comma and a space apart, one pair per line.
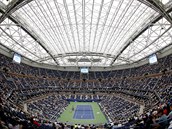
92, 29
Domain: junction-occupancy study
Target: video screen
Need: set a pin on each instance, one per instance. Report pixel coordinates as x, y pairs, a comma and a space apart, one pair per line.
153, 59
84, 70
17, 58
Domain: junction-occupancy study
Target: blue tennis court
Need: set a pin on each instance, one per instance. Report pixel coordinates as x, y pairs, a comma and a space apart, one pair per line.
83, 112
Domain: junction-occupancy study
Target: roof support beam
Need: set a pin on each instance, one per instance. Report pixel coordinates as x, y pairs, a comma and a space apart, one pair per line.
107, 56
158, 6
77, 54
12, 7
167, 9
17, 20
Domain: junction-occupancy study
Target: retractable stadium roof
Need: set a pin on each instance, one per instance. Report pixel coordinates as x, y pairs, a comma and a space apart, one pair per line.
85, 32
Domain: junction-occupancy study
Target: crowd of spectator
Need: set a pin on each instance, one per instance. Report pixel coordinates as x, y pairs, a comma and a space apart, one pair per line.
13, 118
118, 109
48, 108
150, 84
163, 63
160, 117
